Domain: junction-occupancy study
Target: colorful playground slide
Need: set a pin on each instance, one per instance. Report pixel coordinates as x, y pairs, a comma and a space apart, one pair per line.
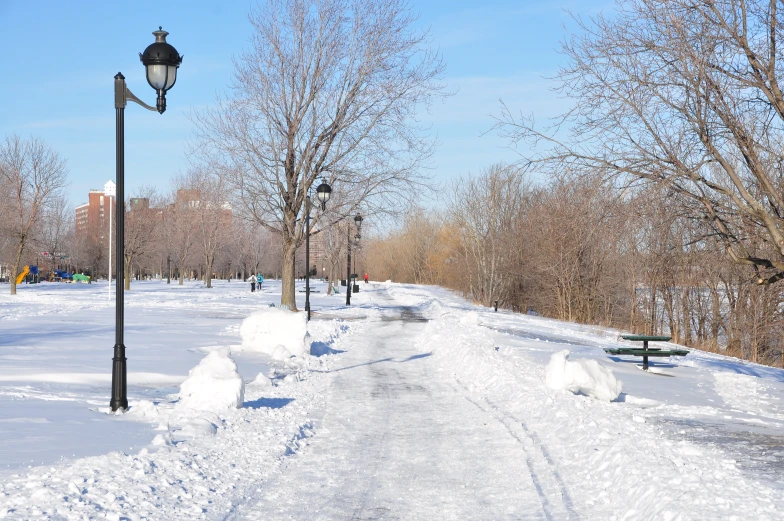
25, 272
22, 275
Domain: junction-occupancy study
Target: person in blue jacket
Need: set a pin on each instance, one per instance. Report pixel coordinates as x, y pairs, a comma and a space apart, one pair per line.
260, 280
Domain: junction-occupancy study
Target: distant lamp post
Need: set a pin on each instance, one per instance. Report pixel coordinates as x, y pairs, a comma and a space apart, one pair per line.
349, 281
110, 191
161, 61
354, 285
323, 193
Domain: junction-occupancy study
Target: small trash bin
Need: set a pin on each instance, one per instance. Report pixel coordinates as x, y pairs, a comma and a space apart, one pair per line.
342, 282
356, 288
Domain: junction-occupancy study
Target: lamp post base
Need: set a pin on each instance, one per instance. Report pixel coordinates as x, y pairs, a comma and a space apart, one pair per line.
119, 379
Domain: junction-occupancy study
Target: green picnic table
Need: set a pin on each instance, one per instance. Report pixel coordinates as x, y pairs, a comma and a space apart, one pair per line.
645, 352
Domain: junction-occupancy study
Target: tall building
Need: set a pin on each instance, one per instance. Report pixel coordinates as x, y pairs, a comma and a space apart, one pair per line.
92, 217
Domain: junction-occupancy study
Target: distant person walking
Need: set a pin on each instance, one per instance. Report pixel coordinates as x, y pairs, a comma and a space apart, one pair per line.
366, 278
252, 283
260, 280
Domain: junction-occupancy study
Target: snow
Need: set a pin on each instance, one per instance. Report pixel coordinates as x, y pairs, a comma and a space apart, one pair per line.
213, 385
582, 376
415, 405
277, 332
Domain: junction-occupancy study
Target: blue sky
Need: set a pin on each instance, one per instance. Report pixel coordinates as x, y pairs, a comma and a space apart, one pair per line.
60, 59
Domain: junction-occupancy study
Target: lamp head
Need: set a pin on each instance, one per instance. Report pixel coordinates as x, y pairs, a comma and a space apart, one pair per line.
161, 60
323, 193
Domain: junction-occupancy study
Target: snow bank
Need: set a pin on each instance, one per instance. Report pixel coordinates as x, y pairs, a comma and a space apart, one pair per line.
277, 332
213, 385
582, 376
144, 409
261, 381
470, 319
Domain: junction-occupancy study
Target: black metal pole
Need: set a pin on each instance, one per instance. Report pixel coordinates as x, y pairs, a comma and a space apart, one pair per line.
119, 370
645, 357
307, 256
348, 267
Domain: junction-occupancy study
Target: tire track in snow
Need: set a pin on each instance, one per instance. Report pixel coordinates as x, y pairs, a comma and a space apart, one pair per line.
544, 474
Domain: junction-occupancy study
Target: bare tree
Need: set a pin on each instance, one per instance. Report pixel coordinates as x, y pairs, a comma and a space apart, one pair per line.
56, 226
486, 209
35, 175
328, 88
212, 216
257, 247
683, 93
142, 228
333, 242
181, 226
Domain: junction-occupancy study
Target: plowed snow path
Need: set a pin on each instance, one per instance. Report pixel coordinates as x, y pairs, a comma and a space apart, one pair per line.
399, 441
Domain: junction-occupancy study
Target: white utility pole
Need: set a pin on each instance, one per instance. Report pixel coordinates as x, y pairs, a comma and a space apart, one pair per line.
109, 191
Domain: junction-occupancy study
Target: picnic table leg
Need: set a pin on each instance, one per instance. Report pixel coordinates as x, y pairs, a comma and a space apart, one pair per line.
645, 357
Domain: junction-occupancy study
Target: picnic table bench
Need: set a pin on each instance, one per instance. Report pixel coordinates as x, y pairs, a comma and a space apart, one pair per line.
645, 351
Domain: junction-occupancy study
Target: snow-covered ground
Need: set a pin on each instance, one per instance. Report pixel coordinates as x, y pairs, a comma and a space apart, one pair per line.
419, 406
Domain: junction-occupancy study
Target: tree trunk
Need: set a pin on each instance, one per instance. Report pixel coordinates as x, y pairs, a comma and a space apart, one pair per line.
287, 295
208, 274
715, 317
686, 310
15, 267
127, 273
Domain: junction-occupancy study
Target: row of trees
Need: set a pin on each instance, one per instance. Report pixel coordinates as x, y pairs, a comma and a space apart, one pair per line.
193, 231
578, 249
190, 232
664, 211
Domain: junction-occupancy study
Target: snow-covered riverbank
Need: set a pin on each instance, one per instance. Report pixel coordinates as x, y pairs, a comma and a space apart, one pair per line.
421, 406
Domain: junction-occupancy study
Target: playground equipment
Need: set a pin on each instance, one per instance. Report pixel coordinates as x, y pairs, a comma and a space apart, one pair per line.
22, 275
78, 277
27, 270
60, 276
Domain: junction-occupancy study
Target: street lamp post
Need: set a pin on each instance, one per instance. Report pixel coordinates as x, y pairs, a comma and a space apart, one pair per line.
161, 60
323, 192
349, 283
354, 287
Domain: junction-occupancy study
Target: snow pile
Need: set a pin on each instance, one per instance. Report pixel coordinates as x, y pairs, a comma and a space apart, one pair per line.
198, 427
261, 381
213, 385
582, 376
470, 319
277, 332
144, 409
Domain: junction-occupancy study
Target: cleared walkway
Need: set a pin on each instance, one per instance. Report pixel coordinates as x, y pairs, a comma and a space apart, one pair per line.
399, 441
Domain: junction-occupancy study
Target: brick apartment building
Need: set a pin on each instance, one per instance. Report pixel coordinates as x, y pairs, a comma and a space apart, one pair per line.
92, 217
